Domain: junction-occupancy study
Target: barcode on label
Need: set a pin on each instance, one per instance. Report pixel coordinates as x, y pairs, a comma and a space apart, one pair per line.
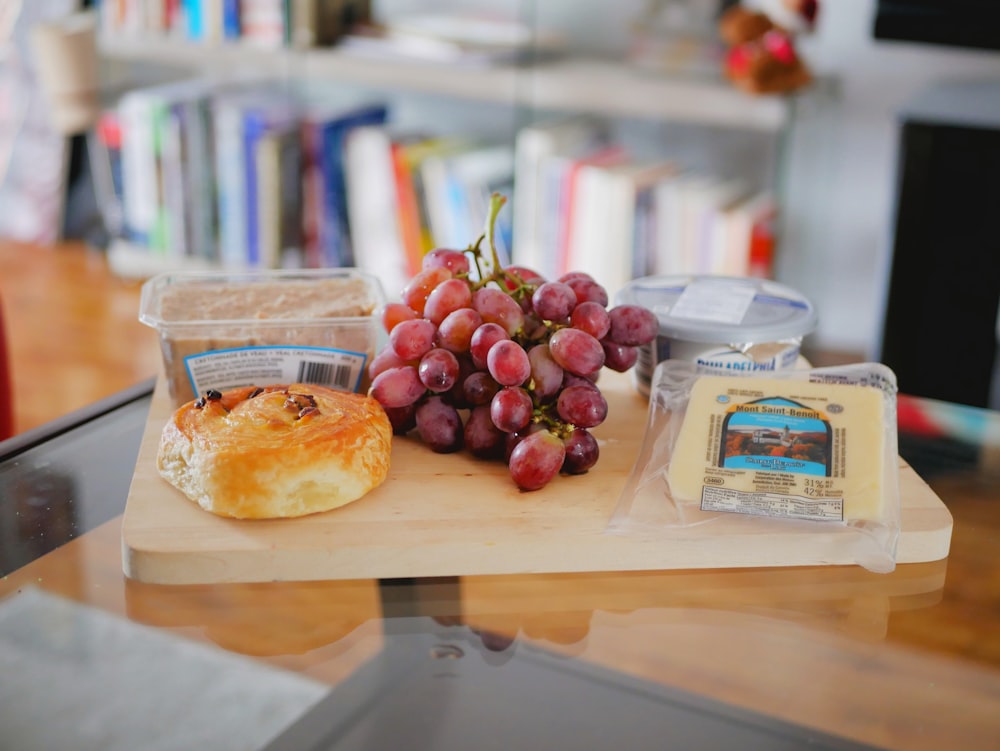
330, 374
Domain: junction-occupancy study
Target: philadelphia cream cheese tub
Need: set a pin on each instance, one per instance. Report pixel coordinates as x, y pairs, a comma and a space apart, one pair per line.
724, 324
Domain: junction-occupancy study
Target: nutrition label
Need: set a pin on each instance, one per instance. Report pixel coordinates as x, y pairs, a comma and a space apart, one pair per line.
250, 366
772, 504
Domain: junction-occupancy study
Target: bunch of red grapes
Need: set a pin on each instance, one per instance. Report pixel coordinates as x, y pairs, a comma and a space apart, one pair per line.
517, 354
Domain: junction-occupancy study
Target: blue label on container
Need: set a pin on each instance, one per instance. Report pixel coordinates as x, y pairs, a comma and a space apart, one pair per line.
224, 369
772, 300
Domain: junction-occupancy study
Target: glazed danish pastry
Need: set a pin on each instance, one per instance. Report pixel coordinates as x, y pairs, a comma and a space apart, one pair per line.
276, 451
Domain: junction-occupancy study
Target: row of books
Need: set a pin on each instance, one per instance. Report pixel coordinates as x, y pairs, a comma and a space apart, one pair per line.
251, 174
261, 23
254, 175
584, 202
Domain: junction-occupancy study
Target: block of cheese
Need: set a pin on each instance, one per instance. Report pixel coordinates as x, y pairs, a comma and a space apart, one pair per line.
782, 447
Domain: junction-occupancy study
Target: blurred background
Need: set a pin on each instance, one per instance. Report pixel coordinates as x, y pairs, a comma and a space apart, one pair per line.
846, 149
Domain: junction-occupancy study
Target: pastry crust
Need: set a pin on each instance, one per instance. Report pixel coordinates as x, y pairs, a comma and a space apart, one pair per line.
276, 451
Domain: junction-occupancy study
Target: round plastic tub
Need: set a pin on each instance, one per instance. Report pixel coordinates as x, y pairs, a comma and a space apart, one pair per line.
725, 324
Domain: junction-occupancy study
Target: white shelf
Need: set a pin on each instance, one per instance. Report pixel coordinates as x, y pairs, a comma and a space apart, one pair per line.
621, 90
135, 262
570, 85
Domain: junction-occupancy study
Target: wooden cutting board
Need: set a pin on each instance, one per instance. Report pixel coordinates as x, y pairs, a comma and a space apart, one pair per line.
453, 514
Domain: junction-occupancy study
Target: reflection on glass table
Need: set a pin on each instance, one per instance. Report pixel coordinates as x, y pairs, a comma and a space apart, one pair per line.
63, 479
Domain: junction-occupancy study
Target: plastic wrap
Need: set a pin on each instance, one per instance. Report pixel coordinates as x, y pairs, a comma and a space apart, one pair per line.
809, 450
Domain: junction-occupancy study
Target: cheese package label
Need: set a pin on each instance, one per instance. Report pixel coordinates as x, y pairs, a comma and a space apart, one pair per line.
781, 447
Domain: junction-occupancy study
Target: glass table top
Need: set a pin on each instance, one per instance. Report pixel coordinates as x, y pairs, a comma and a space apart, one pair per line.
824, 657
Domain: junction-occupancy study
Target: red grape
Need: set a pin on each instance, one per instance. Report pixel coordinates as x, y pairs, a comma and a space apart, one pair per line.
482, 340
554, 301
496, 306
526, 275
591, 317
449, 296
482, 437
508, 363
570, 276
512, 439
419, 287
582, 452
412, 339
397, 387
402, 419
457, 392
571, 379
511, 409
455, 331
587, 289
546, 373
632, 325
576, 351
536, 459
582, 406
619, 357
394, 312
384, 360
439, 425
479, 388
438, 370
454, 260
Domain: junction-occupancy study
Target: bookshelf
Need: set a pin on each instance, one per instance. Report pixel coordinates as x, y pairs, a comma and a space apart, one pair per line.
745, 132
561, 85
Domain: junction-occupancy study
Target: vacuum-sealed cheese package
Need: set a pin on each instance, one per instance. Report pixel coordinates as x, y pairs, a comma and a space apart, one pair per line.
813, 451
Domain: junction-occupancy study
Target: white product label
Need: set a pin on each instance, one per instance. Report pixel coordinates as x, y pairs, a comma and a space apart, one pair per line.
772, 504
263, 366
714, 301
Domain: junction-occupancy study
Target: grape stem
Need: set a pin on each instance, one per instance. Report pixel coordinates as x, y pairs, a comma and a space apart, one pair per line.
543, 415
511, 283
496, 203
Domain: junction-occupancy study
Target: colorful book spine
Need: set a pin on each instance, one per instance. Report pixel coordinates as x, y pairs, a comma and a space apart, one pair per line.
172, 161
372, 202
279, 210
407, 207
267, 162
195, 18
109, 182
262, 23
227, 118
312, 192
231, 27
290, 198
173, 16
258, 120
336, 236
159, 232
199, 179
141, 186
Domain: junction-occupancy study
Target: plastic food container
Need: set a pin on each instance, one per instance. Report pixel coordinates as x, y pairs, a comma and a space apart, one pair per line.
220, 330
721, 323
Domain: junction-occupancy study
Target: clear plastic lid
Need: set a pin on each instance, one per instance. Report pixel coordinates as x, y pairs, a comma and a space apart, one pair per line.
722, 309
